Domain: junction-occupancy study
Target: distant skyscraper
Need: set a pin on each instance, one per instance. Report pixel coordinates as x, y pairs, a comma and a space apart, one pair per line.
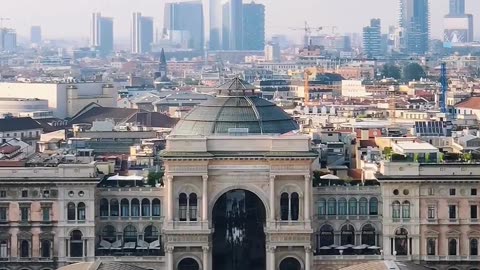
102, 34
458, 25
36, 34
215, 42
372, 38
253, 26
184, 24
415, 21
457, 7
232, 32
8, 40
142, 33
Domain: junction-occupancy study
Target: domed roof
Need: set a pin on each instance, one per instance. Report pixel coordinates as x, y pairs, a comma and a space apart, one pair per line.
219, 115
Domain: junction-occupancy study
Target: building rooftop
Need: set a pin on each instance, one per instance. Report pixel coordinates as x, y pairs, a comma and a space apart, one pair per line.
14, 124
407, 146
222, 114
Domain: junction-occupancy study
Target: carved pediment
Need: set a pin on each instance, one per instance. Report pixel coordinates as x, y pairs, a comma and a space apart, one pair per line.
24, 235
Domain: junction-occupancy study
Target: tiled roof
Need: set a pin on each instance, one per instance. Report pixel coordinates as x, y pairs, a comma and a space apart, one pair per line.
470, 103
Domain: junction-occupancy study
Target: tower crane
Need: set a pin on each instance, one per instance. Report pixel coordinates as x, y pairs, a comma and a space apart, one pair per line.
307, 29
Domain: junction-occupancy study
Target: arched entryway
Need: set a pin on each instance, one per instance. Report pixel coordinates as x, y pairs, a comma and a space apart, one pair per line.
188, 264
239, 218
290, 264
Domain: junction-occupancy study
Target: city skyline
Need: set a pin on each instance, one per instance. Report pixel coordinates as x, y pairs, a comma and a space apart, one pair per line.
22, 16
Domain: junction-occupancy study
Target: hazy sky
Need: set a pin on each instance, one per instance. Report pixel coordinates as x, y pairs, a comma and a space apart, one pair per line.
71, 18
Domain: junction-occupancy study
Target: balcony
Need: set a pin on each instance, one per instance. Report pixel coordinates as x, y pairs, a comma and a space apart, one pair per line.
347, 257
348, 217
141, 258
130, 218
450, 258
188, 225
290, 225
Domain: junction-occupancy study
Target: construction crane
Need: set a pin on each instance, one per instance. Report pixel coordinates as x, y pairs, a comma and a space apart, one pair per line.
444, 82
307, 29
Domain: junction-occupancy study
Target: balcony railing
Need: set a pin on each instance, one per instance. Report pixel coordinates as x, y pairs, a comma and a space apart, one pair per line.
349, 217
347, 257
188, 225
289, 225
450, 258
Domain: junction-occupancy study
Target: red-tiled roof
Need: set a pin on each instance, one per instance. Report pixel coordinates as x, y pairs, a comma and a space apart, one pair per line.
470, 103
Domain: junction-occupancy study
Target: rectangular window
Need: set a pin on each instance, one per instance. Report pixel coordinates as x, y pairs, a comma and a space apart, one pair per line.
431, 212
453, 192
24, 214
3, 213
473, 211
24, 193
452, 211
46, 213
473, 192
431, 192
3, 193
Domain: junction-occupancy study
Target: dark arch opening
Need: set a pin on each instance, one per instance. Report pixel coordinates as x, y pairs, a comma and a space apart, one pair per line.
188, 264
239, 218
290, 264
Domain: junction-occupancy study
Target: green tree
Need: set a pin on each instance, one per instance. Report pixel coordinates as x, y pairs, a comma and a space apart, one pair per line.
154, 178
391, 71
413, 71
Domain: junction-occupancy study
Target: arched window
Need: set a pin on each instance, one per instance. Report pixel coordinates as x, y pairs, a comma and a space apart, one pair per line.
431, 246
473, 247
114, 208
109, 234
290, 264
401, 241
396, 209
284, 206
373, 206
156, 207
145, 208
103, 207
130, 234
326, 236
192, 206
76, 244
342, 207
71, 211
150, 234
322, 207
294, 204
182, 203
347, 235
124, 208
188, 264
4, 249
332, 206
352, 206
135, 208
406, 209
46, 248
81, 211
363, 207
368, 235
452, 247
24, 249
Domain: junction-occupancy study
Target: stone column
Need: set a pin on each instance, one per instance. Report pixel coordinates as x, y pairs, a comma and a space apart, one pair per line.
306, 197
170, 202
308, 255
205, 198
169, 251
205, 262
272, 198
271, 257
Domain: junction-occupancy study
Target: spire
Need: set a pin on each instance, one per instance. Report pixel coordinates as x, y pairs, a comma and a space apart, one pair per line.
163, 59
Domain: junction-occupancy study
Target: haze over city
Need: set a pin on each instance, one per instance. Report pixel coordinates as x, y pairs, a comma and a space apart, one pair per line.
65, 20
